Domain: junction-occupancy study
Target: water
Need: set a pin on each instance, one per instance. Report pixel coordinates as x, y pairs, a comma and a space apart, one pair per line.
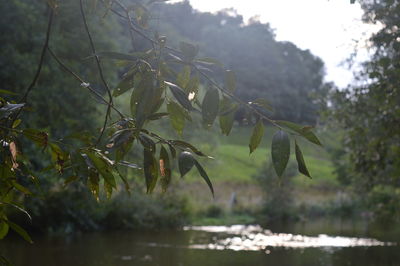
294, 245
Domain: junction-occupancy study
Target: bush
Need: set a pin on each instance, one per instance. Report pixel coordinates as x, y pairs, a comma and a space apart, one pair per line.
75, 210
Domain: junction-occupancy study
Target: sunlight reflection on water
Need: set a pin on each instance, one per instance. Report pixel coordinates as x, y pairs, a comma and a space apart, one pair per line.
254, 237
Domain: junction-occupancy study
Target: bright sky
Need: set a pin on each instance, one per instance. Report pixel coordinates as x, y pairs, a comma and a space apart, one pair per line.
328, 28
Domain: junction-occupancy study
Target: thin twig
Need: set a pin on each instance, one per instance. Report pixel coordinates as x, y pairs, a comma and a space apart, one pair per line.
100, 72
43, 53
67, 69
237, 99
40, 64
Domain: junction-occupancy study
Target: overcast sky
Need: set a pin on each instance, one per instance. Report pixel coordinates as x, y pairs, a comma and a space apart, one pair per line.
328, 28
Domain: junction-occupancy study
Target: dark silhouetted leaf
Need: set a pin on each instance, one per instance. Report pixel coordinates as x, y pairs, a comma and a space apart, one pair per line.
20, 231
186, 162
205, 176
280, 151
304, 131
103, 165
165, 169
186, 145
300, 161
210, 107
38, 137
180, 96
256, 137
150, 166
93, 183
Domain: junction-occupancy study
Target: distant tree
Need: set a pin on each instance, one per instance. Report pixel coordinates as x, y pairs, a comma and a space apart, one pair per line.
369, 113
284, 74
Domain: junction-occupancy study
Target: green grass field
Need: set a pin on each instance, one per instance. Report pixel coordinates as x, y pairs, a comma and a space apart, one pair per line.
233, 169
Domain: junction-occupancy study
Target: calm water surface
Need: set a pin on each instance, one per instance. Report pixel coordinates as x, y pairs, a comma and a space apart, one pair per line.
318, 243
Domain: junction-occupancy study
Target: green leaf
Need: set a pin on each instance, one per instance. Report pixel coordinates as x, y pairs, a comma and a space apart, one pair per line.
209, 61
304, 131
210, 107
150, 170
21, 188
165, 169
103, 165
177, 116
2, 91
93, 183
205, 176
16, 123
19, 230
227, 115
230, 80
125, 84
280, 151
3, 229
186, 162
38, 137
180, 95
142, 99
256, 137
183, 77
185, 145
226, 123
147, 143
189, 51
300, 161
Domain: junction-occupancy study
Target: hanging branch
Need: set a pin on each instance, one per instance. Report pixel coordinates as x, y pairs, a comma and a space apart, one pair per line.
110, 101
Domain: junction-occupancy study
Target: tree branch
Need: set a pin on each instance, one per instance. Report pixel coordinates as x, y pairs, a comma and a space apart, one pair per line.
110, 101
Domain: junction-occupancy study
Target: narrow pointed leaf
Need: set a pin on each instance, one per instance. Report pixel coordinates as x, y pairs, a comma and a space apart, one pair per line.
20, 231
300, 161
165, 169
203, 173
186, 145
150, 170
181, 96
280, 151
103, 165
256, 137
302, 130
210, 107
4, 227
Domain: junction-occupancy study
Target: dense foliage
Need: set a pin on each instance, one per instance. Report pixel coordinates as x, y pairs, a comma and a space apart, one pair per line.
369, 113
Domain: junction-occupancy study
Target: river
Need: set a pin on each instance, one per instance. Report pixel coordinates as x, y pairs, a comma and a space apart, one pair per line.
321, 242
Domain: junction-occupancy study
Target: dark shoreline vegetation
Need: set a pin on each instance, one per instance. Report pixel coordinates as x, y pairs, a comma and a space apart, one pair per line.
355, 175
